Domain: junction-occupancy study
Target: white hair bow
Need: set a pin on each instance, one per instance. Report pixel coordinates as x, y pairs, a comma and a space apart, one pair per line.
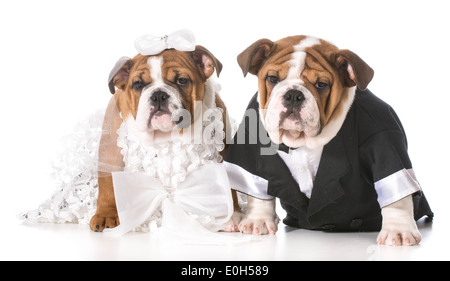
181, 40
200, 204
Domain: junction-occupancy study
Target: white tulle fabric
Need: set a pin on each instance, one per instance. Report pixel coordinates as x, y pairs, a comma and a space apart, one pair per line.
173, 177
178, 185
170, 161
75, 173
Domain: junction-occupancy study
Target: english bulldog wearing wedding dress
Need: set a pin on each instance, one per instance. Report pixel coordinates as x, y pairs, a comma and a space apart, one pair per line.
160, 145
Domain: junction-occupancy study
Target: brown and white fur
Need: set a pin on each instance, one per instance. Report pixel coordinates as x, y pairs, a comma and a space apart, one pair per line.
149, 90
326, 78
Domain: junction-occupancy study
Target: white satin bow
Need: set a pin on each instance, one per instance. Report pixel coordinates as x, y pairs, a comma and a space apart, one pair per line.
204, 196
181, 40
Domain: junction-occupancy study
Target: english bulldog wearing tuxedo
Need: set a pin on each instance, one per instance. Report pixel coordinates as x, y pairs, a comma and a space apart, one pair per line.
330, 150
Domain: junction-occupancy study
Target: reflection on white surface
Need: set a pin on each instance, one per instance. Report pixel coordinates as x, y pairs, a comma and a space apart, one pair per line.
77, 242
43, 103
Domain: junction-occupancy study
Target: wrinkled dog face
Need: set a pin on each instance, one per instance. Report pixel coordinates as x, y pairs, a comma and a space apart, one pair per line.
158, 100
304, 86
157, 87
291, 111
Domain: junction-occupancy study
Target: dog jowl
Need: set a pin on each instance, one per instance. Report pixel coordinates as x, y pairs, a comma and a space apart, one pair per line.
339, 160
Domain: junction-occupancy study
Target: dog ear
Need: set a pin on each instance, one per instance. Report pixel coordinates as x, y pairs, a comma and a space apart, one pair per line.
119, 74
206, 61
353, 69
254, 56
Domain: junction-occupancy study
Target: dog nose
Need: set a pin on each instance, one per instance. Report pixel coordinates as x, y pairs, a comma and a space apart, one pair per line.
294, 97
159, 98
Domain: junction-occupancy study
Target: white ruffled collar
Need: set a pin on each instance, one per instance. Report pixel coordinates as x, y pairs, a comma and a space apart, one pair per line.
173, 160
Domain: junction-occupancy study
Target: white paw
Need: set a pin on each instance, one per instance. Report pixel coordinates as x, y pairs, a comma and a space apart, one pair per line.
393, 235
399, 227
233, 224
259, 224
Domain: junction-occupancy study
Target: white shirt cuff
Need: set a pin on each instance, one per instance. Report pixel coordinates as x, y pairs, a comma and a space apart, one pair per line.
246, 182
396, 186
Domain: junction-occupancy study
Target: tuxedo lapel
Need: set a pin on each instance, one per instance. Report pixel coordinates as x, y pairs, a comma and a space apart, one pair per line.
327, 188
281, 182
343, 197
334, 165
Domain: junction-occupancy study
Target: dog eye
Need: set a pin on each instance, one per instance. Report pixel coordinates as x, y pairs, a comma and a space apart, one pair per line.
182, 82
273, 80
138, 85
321, 85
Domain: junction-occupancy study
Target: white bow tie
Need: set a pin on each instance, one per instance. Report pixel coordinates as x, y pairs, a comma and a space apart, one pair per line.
181, 40
204, 195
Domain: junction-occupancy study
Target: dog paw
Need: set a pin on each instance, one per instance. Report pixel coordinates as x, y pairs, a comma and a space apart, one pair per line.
100, 222
259, 225
233, 224
399, 227
399, 237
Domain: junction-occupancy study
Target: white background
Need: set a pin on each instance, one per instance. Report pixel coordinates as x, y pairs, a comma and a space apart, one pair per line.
55, 57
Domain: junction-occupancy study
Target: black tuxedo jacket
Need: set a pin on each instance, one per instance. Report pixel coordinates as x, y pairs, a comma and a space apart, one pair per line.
371, 145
